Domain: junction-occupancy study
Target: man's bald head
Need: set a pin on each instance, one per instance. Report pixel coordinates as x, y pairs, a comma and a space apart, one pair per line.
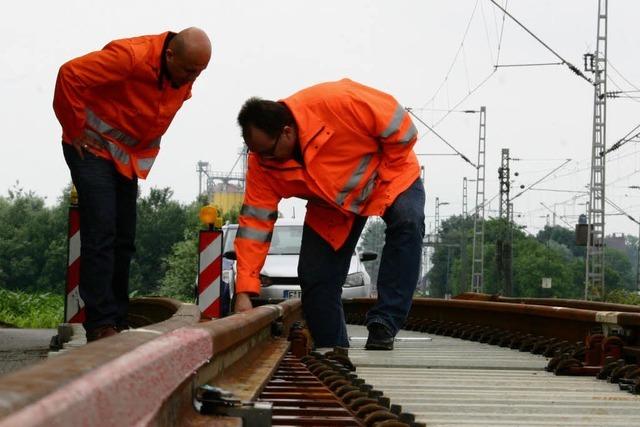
187, 55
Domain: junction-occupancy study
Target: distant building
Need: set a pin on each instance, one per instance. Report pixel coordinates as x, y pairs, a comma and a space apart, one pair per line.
227, 196
616, 241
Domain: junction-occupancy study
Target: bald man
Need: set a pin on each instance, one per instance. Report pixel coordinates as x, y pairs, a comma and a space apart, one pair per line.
114, 105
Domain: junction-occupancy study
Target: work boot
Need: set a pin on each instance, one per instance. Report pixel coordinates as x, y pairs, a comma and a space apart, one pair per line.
380, 338
101, 332
122, 327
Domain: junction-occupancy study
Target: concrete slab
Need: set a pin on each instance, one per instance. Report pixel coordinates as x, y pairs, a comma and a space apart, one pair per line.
23, 347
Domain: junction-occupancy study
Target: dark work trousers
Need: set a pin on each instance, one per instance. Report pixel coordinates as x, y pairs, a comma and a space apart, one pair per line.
107, 204
323, 271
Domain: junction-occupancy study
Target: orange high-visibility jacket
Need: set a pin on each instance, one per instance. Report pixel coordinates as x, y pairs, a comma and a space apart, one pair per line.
119, 96
357, 145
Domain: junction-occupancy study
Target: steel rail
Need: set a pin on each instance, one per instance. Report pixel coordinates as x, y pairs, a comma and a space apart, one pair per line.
598, 343
527, 318
570, 303
258, 356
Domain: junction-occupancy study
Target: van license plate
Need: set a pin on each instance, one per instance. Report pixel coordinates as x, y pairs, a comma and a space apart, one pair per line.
292, 294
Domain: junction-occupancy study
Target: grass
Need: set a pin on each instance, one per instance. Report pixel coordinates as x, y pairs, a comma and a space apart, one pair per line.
30, 310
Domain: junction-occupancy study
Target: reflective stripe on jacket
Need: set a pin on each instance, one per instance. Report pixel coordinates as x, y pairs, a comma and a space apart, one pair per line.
357, 145
116, 95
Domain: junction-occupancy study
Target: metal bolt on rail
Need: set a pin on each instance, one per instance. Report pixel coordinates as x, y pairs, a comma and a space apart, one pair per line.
216, 401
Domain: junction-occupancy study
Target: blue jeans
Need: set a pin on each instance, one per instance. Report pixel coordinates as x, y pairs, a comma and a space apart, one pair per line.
107, 205
323, 271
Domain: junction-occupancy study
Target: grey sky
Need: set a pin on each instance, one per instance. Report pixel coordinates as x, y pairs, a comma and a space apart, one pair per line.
272, 49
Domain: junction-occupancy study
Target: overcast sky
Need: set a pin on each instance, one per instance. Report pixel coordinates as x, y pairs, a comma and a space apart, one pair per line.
272, 49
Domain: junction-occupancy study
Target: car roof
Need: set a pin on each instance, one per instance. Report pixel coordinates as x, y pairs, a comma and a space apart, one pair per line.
289, 221
279, 222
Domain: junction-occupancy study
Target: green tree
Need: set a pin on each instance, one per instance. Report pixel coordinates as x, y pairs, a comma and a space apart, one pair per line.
32, 242
182, 263
563, 236
451, 258
161, 224
181, 269
373, 241
618, 272
631, 244
538, 261
532, 260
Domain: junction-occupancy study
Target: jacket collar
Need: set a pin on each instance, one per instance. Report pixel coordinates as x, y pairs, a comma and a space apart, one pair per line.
156, 58
307, 122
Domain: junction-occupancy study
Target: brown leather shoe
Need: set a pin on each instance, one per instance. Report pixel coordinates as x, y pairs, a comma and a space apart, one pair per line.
101, 332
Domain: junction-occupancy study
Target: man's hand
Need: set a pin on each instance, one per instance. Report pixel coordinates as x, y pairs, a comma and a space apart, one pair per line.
85, 142
243, 303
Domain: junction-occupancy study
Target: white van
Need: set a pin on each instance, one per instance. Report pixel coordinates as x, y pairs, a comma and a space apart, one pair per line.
279, 275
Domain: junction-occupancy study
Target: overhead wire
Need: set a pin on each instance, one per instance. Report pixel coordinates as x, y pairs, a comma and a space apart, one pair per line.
452, 109
465, 158
445, 109
555, 215
455, 58
559, 191
608, 160
528, 64
622, 211
540, 180
486, 31
620, 74
620, 91
504, 16
623, 140
571, 67
466, 70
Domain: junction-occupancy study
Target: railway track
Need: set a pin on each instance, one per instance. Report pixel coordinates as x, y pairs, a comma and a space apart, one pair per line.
257, 367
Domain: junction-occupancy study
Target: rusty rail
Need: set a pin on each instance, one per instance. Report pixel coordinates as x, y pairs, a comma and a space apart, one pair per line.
598, 343
556, 302
261, 356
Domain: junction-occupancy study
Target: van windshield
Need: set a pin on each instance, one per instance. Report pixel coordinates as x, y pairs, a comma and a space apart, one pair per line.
229, 236
286, 240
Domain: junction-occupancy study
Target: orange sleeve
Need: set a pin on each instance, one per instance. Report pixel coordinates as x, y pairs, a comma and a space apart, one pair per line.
111, 64
388, 122
257, 217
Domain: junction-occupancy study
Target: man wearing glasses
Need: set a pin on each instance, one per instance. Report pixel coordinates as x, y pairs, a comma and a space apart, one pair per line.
348, 150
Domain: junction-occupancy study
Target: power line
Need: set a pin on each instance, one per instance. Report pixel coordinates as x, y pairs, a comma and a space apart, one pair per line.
486, 31
616, 94
623, 77
504, 16
540, 180
608, 159
623, 140
452, 109
446, 109
564, 61
538, 64
555, 215
455, 58
465, 158
533, 159
619, 209
559, 191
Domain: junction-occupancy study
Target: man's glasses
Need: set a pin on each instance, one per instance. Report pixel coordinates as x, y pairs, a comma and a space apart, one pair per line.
270, 153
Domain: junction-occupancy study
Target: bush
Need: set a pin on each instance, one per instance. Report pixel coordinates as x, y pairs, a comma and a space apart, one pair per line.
31, 310
620, 296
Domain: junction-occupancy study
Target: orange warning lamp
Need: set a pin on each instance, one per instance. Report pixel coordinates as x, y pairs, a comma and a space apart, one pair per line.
209, 216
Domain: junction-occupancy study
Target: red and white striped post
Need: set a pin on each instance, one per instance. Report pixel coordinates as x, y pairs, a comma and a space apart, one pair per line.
73, 304
209, 264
